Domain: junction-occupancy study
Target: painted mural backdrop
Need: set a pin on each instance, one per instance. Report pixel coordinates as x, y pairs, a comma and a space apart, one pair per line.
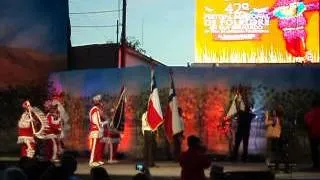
204, 94
254, 31
34, 36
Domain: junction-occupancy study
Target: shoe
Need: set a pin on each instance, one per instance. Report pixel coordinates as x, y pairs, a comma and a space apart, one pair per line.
94, 164
113, 161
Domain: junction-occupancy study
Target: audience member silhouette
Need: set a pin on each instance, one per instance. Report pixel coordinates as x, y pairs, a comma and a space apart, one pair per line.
194, 160
14, 173
99, 173
69, 165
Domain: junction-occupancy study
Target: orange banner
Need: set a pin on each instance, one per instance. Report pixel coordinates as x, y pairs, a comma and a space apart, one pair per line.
254, 31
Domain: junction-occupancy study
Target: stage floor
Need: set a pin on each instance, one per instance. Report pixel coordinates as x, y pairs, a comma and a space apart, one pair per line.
171, 171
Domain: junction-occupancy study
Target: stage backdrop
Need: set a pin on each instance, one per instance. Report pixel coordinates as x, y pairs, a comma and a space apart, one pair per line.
33, 39
255, 31
204, 94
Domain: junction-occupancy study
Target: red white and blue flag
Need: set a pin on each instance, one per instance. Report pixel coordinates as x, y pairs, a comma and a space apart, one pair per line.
154, 113
172, 122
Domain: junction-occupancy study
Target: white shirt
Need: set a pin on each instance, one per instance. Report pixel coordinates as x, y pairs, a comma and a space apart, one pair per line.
145, 126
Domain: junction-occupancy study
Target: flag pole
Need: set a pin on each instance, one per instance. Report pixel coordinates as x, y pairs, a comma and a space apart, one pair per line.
118, 104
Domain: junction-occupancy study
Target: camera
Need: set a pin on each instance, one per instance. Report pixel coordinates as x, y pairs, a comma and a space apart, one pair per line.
140, 167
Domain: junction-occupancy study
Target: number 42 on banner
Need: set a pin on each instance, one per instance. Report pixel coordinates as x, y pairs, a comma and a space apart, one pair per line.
237, 7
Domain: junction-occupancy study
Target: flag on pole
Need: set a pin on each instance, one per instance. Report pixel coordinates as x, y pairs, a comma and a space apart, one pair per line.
154, 113
119, 115
172, 122
233, 109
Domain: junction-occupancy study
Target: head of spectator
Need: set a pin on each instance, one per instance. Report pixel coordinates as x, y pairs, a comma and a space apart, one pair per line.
99, 173
69, 164
193, 142
14, 173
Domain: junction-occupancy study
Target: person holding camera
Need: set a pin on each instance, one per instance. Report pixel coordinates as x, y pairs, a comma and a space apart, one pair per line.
144, 172
194, 160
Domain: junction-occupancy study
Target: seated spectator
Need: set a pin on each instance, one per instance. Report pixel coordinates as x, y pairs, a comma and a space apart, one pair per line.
99, 173
69, 166
194, 160
14, 173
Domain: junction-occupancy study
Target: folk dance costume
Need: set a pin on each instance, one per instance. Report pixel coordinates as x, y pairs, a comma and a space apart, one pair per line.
63, 124
53, 132
26, 132
111, 138
96, 132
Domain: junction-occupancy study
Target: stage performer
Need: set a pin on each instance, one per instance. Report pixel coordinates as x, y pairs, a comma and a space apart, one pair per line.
149, 142
312, 120
54, 131
96, 132
273, 121
63, 122
26, 132
112, 140
243, 132
194, 161
244, 117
